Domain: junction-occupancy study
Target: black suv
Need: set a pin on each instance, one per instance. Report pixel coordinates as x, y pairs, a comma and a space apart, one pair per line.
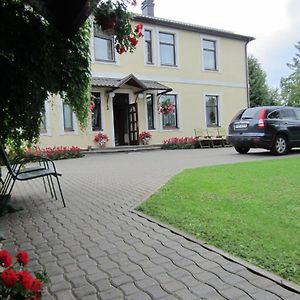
275, 128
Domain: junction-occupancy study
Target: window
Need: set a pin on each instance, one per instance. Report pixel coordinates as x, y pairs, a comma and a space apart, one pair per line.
150, 111
96, 113
209, 54
169, 121
167, 49
43, 126
148, 46
104, 46
68, 117
212, 110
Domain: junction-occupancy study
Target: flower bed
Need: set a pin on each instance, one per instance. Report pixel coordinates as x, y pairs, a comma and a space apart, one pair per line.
187, 142
55, 153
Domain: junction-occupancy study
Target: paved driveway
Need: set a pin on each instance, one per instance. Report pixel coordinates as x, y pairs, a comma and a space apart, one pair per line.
98, 248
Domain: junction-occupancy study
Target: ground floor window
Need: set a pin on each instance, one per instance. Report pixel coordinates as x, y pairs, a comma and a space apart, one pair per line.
150, 111
169, 121
68, 117
96, 112
212, 110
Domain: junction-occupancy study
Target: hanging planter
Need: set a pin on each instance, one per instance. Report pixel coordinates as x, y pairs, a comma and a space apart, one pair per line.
108, 24
166, 107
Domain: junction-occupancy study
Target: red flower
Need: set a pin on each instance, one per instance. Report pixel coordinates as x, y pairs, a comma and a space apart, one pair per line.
37, 297
120, 49
22, 258
36, 285
9, 277
139, 27
133, 40
5, 259
26, 279
140, 34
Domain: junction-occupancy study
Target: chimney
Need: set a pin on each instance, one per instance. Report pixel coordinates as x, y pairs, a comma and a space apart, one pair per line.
148, 8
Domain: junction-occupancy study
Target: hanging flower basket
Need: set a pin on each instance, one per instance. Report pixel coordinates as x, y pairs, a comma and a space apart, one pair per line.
108, 24
166, 107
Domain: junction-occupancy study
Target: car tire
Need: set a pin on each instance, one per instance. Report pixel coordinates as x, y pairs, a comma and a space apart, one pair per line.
280, 145
242, 150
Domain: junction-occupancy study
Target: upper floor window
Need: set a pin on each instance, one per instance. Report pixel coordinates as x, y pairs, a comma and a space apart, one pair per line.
148, 46
212, 110
68, 117
104, 46
170, 121
150, 111
209, 54
96, 113
167, 49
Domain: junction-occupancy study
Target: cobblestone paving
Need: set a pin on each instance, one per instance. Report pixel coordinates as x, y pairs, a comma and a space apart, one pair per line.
98, 248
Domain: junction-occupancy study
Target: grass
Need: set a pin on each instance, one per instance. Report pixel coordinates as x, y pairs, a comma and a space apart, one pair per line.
251, 210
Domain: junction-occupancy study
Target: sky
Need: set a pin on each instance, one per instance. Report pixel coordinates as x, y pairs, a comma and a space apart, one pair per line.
275, 25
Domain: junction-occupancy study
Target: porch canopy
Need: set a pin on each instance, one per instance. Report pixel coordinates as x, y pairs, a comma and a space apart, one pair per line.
141, 85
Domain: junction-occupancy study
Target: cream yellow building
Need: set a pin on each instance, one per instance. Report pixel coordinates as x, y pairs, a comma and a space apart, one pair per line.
202, 71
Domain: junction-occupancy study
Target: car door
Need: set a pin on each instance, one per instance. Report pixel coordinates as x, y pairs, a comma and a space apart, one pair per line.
292, 124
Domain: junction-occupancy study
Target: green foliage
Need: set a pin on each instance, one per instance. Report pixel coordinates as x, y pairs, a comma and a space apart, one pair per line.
259, 94
248, 209
35, 61
290, 86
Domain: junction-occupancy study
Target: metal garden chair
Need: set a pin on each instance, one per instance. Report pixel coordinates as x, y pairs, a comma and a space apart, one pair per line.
44, 169
203, 139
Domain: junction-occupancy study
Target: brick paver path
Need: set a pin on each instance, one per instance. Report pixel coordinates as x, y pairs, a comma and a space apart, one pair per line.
98, 248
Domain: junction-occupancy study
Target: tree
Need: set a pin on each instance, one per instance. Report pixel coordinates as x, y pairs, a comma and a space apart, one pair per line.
259, 94
290, 86
36, 60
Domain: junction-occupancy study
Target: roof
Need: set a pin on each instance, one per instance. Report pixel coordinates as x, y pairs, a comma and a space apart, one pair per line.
191, 27
143, 85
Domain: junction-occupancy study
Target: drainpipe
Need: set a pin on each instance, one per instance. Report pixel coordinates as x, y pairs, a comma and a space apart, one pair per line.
247, 73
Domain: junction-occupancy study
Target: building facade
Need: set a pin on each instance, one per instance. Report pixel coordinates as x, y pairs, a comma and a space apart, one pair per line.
201, 71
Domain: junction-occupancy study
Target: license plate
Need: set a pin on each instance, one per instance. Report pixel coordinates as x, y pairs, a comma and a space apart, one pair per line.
240, 126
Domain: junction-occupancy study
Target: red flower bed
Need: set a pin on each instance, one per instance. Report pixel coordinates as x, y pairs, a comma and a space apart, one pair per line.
55, 152
186, 142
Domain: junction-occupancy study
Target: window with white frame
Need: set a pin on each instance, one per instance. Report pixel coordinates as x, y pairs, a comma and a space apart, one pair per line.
209, 54
150, 111
43, 126
167, 49
148, 46
96, 112
212, 110
68, 117
104, 46
170, 120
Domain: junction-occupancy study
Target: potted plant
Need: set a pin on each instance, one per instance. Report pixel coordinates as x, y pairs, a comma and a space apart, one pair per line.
114, 19
166, 107
145, 137
101, 138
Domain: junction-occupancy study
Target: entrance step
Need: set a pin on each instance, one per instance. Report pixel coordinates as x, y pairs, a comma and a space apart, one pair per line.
117, 149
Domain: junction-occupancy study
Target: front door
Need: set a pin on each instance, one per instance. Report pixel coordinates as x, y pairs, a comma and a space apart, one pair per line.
133, 124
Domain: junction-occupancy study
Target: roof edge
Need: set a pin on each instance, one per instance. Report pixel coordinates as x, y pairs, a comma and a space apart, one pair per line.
192, 27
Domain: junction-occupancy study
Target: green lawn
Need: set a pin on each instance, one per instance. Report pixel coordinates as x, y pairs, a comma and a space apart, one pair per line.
251, 210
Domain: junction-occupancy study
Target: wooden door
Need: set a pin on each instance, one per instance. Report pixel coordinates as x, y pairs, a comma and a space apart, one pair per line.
133, 124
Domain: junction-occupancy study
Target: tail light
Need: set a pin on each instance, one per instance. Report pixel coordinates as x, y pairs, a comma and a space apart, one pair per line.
262, 118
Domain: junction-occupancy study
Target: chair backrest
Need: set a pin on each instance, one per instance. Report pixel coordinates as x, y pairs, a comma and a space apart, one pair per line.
5, 159
199, 132
212, 132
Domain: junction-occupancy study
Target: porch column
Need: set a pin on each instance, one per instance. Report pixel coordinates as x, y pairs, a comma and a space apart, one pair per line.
111, 107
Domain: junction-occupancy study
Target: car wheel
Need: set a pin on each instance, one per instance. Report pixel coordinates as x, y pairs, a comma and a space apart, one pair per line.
242, 150
280, 145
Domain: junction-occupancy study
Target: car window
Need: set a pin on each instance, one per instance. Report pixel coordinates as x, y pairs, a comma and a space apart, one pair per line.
287, 114
274, 115
238, 115
297, 112
251, 113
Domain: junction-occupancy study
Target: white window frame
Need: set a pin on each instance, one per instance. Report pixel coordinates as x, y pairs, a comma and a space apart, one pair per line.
116, 55
154, 111
220, 110
178, 106
75, 123
217, 43
48, 120
102, 97
153, 38
176, 44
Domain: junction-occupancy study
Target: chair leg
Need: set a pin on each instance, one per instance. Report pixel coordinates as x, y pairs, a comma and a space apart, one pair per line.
53, 188
61, 194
